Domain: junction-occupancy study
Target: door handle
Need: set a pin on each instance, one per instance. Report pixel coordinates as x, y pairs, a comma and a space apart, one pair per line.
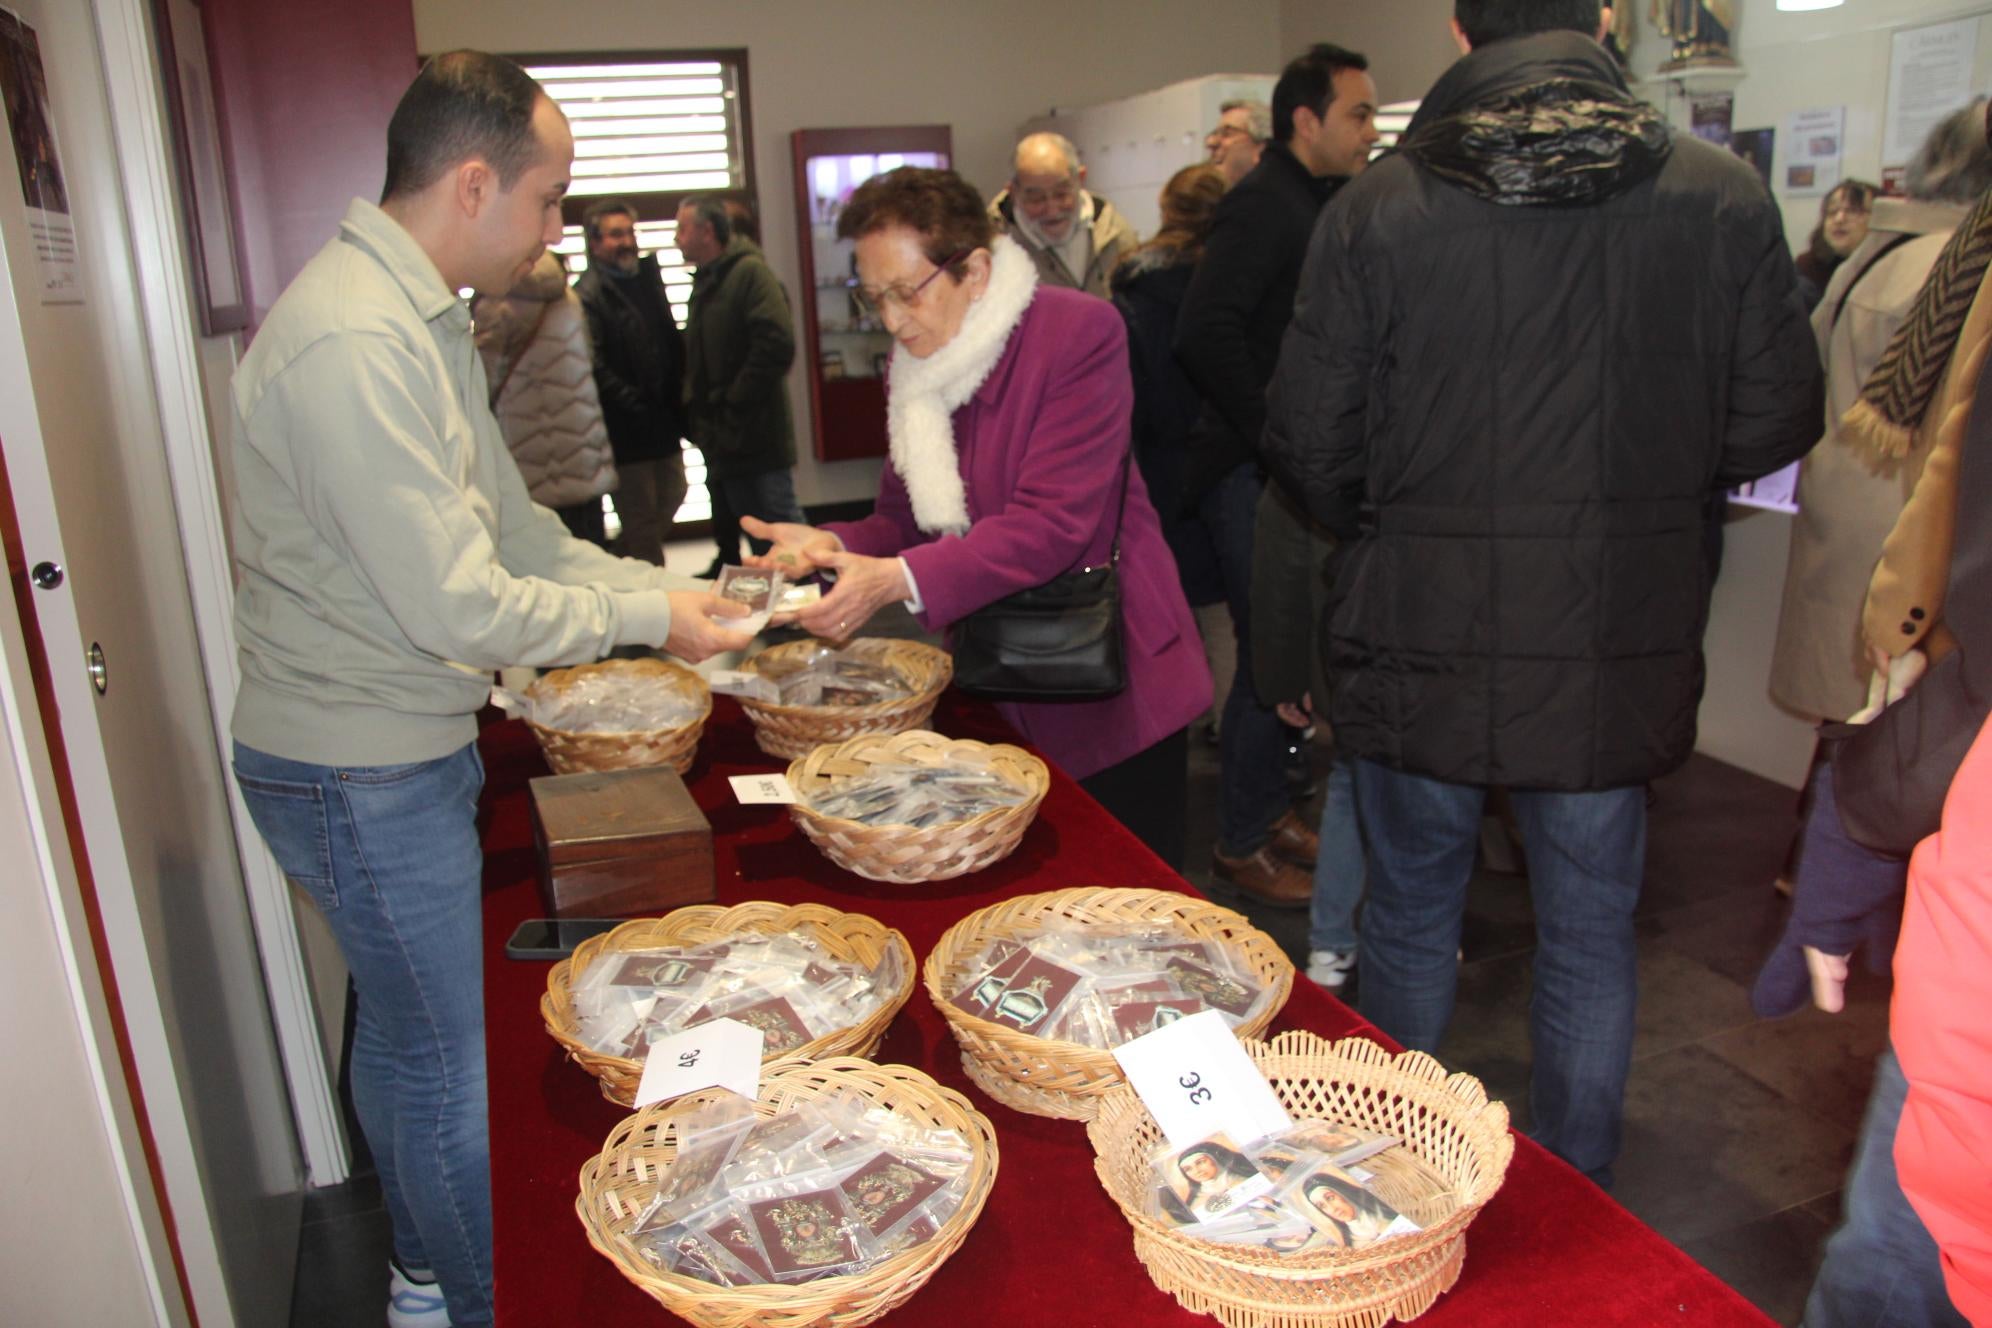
46, 575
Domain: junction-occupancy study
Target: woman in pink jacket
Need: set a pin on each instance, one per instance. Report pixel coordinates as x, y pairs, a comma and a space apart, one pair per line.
1010, 414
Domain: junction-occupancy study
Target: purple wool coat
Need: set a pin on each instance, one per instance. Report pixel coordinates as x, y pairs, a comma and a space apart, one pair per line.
1039, 447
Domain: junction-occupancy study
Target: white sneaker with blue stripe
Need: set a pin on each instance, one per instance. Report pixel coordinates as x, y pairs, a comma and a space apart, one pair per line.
413, 1303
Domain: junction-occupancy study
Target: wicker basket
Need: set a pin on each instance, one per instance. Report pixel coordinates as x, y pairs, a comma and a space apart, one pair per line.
848, 936
904, 854
1446, 1122
1049, 1077
577, 753
618, 1183
797, 730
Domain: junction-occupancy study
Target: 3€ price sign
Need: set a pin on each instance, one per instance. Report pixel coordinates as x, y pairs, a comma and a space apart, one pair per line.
722, 1053
1197, 1081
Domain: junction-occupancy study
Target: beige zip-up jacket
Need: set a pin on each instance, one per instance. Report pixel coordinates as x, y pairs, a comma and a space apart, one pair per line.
390, 559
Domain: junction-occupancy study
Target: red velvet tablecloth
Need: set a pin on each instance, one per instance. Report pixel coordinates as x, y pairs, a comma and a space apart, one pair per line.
1050, 1248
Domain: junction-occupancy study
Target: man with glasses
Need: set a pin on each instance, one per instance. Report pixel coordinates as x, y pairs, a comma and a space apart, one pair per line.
1243, 128
740, 342
1076, 238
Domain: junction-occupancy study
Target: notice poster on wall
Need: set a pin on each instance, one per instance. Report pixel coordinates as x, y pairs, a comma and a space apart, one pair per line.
1929, 76
1814, 141
24, 88
1758, 147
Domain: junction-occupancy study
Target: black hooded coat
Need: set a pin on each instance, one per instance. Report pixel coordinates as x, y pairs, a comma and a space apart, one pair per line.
1529, 348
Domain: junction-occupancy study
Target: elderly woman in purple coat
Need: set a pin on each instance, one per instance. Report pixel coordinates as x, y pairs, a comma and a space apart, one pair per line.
1009, 413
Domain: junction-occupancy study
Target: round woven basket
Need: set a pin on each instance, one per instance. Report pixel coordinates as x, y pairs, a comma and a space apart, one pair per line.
905, 854
577, 753
1447, 1123
1050, 1077
849, 936
619, 1183
797, 730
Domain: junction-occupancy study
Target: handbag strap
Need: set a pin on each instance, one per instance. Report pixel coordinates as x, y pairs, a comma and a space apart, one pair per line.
1120, 513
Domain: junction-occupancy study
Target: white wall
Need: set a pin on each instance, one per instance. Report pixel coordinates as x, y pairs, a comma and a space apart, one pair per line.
980, 68
1407, 42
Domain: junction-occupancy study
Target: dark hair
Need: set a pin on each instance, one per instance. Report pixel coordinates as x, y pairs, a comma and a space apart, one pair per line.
1857, 192
711, 210
591, 220
742, 218
1228, 1161
462, 105
1359, 1198
1309, 80
1486, 21
940, 206
1189, 205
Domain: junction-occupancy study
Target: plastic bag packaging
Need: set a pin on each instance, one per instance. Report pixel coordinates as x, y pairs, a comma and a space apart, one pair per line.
918, 795
807, 1227
1101, 986
602, 703
760, 591
827, 676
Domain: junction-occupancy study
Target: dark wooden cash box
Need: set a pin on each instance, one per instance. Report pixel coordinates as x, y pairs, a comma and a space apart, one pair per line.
622, 843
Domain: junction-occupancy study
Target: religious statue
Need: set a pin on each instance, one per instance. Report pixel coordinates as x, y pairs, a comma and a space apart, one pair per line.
1700, 30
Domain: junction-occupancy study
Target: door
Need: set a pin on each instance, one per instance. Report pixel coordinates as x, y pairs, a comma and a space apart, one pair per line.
81, 433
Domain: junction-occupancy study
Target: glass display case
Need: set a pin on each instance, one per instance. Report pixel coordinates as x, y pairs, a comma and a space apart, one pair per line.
844, 352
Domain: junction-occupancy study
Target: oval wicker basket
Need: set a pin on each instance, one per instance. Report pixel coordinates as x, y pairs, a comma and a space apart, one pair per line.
618, 1183
905, 854
1446, 1121
797, 730
577, 753
848, 936
1050, 1077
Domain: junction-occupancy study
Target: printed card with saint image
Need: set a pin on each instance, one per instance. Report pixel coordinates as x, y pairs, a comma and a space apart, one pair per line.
982, 991
1217, 991
805, 1233
1030, 998
781, 1027
732, 1234
885, 1190
1343, 1209
1144, 1017
1211, 1178
661, 971
917, 1232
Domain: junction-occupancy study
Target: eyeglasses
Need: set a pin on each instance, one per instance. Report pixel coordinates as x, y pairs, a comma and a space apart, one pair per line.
873, 302
1225, 131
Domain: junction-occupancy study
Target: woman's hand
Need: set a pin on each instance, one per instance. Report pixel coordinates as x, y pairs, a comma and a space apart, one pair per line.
698, 625
1297, 716
798, 549
864, 586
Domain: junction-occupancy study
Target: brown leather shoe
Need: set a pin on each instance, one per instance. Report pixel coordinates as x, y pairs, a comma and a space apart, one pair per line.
1294, 840
1265, 878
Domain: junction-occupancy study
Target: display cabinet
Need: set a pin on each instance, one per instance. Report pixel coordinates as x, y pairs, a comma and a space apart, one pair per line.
844, 352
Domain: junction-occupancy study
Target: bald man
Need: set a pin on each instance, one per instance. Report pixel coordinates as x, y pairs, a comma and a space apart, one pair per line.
1075, 238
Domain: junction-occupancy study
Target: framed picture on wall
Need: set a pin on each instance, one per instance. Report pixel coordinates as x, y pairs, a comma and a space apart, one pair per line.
206, 199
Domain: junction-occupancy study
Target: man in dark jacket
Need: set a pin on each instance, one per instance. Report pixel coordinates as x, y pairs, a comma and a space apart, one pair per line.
639, 375
1528, 347
1228, 338
741, 341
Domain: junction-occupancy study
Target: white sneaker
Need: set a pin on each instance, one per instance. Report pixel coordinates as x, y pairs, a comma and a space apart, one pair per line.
412, 1304
1330, 968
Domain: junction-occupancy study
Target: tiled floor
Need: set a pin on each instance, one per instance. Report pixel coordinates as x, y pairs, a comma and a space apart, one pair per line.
1738, 1131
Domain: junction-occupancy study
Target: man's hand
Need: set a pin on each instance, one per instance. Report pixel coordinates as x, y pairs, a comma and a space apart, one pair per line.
698, 629
1829, 979
1297, 716
864, 586
799, 549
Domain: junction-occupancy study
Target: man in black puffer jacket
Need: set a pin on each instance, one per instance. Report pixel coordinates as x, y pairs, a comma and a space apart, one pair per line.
1529, 348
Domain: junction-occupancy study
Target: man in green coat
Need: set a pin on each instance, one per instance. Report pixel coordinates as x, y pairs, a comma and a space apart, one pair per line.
739, 343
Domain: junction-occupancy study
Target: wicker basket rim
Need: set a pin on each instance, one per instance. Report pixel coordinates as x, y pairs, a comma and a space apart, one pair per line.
941, 661
700, 687
1032, 796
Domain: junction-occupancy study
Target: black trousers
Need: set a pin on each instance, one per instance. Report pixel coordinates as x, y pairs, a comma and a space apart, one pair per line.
1149, 793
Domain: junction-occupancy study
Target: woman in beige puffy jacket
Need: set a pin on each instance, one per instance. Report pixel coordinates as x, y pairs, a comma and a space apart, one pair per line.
535, 346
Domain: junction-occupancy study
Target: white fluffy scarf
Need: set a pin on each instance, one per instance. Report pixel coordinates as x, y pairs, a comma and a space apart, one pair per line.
926, 393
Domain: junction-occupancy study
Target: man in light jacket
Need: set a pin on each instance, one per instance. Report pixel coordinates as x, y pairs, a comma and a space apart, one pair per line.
1075, 237
390, 562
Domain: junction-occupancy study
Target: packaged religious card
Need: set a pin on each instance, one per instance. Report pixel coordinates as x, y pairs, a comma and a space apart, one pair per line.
1210, 1179
603, 702
788, 985
1103, 985
826, 1188
918, 795
759, 591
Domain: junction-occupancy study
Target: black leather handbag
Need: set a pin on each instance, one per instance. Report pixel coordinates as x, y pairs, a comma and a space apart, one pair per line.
1060, 641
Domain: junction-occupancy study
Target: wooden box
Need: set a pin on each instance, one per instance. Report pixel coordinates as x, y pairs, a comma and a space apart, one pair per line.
620, 843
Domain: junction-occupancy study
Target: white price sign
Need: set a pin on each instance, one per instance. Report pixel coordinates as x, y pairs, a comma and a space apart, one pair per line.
1197, 1081
723, 1053
754, 789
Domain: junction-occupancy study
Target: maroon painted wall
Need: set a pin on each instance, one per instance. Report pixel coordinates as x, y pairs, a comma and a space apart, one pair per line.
305, 89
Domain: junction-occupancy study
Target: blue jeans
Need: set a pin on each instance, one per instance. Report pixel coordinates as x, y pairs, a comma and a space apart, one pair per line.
1881, 1268
1338, 871
390, 855
1586, 855
1251, 738
768, 495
